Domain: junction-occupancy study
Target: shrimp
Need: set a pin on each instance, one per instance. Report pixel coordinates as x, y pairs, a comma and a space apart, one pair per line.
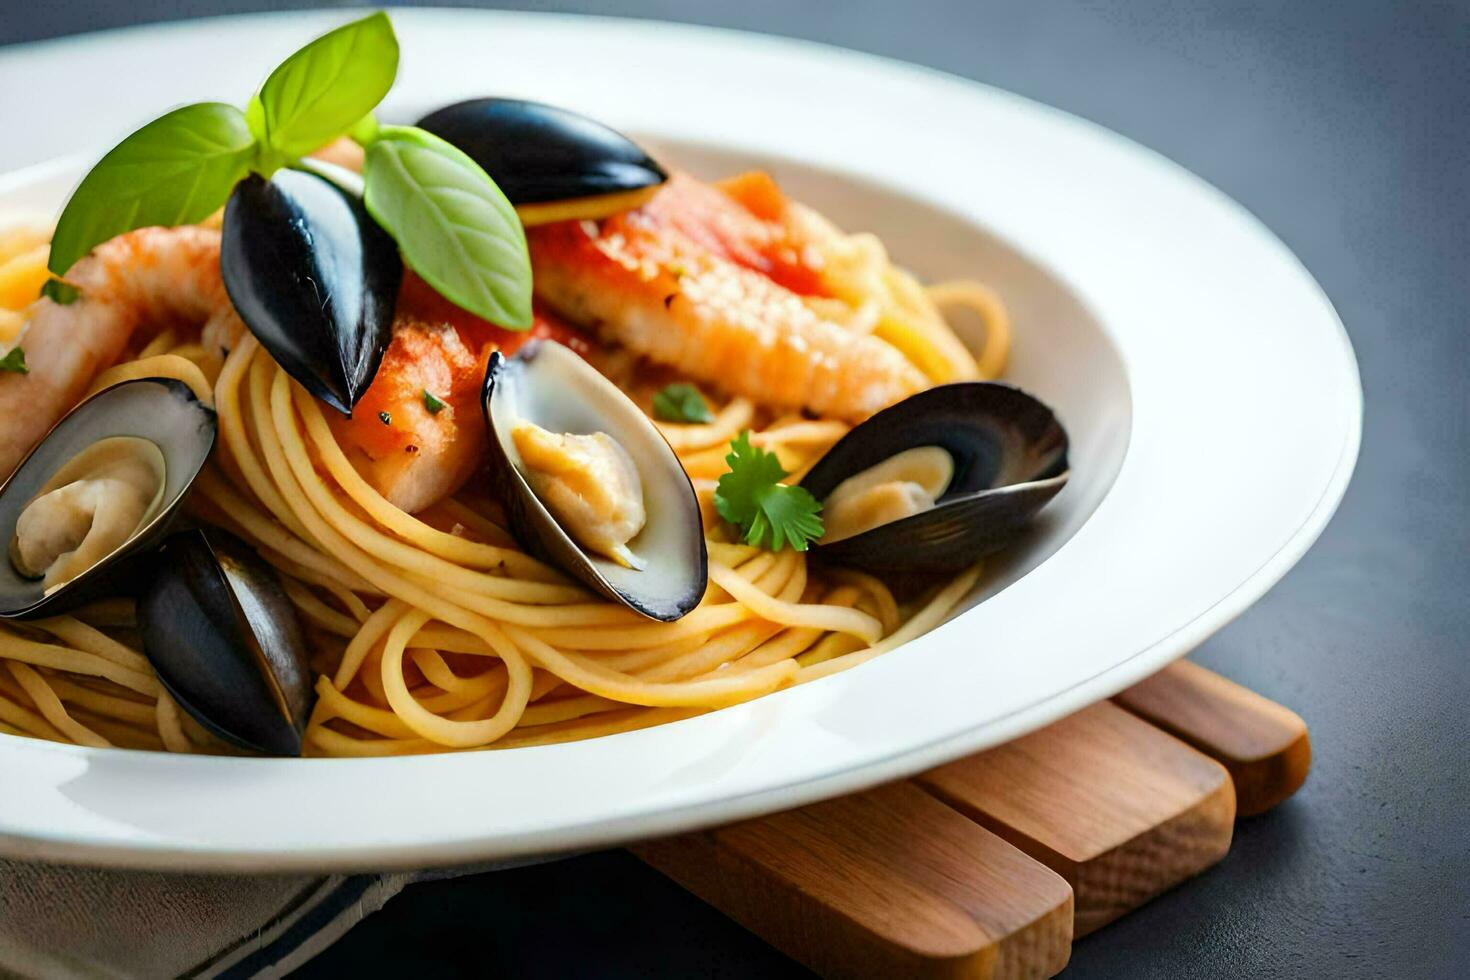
136, 284
418, 433
712, 284
415, 436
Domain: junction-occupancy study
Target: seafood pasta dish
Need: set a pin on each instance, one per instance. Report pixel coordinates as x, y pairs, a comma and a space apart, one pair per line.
324, 435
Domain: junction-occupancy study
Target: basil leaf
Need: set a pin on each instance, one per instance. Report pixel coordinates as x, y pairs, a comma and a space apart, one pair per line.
14, 362
321, 91
433, 403
255, 118
176, 170
268, 159
681, 403
455, 227
365, 130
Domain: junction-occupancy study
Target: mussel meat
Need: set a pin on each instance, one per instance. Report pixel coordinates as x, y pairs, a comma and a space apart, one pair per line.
938, 480
226, 642
553, 164
313, 277
590, 485
103, 487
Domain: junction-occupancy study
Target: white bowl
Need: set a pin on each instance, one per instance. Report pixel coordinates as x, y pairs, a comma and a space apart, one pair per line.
1209, 389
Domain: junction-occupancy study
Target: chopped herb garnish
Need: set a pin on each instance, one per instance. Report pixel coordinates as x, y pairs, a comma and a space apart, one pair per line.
14, 362
433, 404
385, 418
681, 403
769, 513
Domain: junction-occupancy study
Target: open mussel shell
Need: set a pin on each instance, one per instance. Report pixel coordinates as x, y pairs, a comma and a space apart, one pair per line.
1010, 458
160, 411
226, 643
547, 384
313, 277
553, 164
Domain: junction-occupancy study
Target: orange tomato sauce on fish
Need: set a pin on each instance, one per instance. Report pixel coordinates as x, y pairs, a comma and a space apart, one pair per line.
742, 220
439, 348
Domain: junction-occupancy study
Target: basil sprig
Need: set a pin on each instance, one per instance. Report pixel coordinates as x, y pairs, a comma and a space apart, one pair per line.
454, 226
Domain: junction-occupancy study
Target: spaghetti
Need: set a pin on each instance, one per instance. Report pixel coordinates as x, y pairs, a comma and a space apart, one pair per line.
435, 631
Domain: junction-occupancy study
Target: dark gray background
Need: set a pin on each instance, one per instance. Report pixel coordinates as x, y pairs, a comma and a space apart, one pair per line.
1346, 127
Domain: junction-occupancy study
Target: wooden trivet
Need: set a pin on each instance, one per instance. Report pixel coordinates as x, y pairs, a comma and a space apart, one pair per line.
990, 866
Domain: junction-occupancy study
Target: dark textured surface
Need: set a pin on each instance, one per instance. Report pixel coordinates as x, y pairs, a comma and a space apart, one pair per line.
1346, 128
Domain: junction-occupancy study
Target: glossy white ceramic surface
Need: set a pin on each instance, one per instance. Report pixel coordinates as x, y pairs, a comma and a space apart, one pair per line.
1208, 386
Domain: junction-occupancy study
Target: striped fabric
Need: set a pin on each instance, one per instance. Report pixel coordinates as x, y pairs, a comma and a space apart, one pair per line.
58, 921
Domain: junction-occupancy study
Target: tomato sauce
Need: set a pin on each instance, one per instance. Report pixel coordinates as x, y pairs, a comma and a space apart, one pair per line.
743, 220
440, 349
418, 299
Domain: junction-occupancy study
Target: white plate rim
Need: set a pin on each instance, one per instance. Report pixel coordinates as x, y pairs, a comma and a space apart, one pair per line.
706, 798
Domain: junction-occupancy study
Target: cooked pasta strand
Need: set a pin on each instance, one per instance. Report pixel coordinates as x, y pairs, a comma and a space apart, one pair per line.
437, 631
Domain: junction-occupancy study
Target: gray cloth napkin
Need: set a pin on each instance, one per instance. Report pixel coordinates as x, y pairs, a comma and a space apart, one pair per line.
58, 921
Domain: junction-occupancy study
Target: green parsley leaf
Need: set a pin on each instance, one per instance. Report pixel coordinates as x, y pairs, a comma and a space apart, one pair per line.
453, 224
433, 404
681, 403
769, 513
176, 170
324, 89
14, 362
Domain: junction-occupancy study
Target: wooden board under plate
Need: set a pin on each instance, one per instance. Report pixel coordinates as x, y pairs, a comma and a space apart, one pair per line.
991, 865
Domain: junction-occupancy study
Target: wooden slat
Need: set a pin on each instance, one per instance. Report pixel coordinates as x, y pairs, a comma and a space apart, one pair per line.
886, 883
1264, 746
894, 882
1117, 807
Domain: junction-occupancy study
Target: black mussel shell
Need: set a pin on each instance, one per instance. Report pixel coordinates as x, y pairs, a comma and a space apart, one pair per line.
539, 154
1010, 456
226, 643
549, 385
314, 278
161, 410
